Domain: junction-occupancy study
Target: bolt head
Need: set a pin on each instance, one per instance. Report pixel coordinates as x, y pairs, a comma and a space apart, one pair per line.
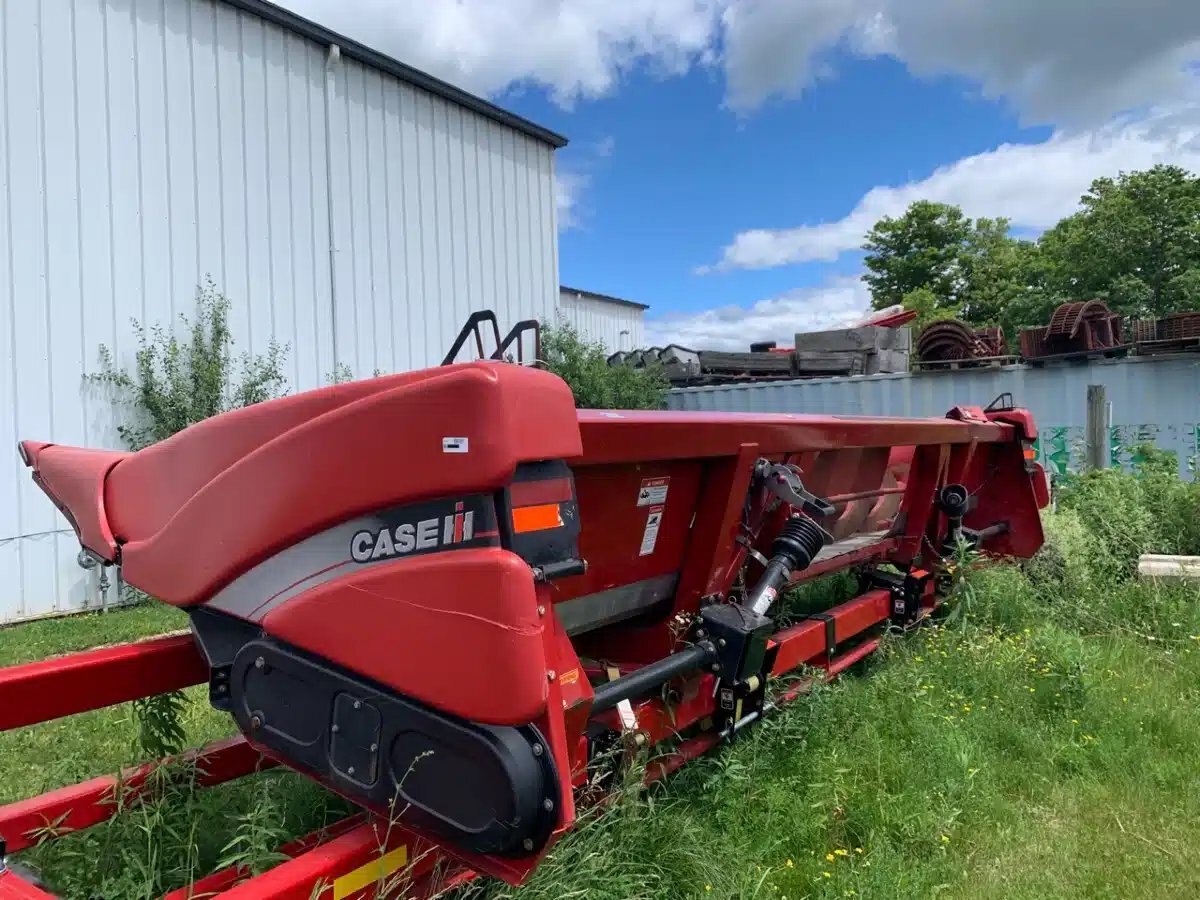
541, 610
335, 728
547, 804
350, 771
358, 704
537, 750
527, 844
720, 642
551, 675
259, 663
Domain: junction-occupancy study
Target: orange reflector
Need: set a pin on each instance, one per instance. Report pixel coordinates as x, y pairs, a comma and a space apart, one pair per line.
1030, 453
536, 518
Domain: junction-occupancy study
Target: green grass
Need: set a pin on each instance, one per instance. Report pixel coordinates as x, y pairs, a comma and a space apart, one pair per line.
1041, 742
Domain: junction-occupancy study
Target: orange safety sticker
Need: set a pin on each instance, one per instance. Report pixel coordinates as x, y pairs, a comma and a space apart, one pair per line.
569, 677
536, 518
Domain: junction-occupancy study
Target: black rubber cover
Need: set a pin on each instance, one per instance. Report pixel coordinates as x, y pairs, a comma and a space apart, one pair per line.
482, 787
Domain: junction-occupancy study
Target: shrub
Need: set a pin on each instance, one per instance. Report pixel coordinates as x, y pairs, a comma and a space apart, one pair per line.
584, 366
1150, 510
178, 381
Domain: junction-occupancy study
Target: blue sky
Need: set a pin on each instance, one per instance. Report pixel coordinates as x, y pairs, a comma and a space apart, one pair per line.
670, 175
727, 156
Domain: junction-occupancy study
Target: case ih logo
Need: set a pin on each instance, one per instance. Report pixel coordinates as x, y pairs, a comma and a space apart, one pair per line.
411, 537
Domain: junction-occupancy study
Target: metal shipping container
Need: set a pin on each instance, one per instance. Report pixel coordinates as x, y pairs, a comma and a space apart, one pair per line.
1153, 400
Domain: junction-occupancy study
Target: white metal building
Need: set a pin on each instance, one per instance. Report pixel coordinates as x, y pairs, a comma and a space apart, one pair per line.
616, 323
349, 207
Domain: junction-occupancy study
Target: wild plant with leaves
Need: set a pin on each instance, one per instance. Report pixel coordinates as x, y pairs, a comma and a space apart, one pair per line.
184, 375
583, 365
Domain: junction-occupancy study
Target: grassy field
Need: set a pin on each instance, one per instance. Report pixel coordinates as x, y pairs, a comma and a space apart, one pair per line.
1043, 741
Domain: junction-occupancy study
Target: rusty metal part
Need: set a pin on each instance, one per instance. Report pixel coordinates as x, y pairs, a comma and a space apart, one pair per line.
1178, 326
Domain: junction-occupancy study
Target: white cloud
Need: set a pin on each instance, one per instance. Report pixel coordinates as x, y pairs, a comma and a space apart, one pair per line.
575, 48
1034, 185
838, 303
568, 189
1062, 61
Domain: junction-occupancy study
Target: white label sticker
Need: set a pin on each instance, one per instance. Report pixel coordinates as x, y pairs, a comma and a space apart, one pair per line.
455, 445
650, 535
653, 491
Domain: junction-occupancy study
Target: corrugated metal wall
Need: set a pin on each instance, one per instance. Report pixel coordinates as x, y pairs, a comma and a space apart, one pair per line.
146, 144
616, 325
1153, 400
438, 212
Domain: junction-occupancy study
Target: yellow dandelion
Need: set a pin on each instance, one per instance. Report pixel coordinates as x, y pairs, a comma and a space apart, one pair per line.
827, 874
789, 864
840, 852
945, 838
708, 887
828, 857
858, 849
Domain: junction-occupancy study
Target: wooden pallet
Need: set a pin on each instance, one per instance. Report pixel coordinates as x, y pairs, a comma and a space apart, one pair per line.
954, 365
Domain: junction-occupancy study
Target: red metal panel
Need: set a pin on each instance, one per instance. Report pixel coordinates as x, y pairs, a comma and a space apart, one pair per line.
349, 868
639, 436
225, 879
73, 477
53, 688
307, 474
13, 887
804, 642
480, 601
615, 525
81, 806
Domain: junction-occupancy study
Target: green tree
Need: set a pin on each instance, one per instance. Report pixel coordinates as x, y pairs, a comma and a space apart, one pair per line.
921, 249
1134, 243
583, 365
937, 261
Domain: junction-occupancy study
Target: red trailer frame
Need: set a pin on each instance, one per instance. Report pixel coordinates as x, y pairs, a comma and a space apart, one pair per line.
354, 857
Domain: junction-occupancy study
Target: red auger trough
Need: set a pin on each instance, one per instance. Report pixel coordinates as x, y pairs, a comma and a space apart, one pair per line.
446, 594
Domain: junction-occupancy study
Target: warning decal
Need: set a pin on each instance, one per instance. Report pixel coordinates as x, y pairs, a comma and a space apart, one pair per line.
653, 491
650, 535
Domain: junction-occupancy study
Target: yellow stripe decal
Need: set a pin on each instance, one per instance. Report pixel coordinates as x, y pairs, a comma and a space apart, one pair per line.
370, 874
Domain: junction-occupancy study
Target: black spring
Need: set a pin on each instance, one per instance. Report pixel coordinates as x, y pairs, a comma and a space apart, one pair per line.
801, 539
